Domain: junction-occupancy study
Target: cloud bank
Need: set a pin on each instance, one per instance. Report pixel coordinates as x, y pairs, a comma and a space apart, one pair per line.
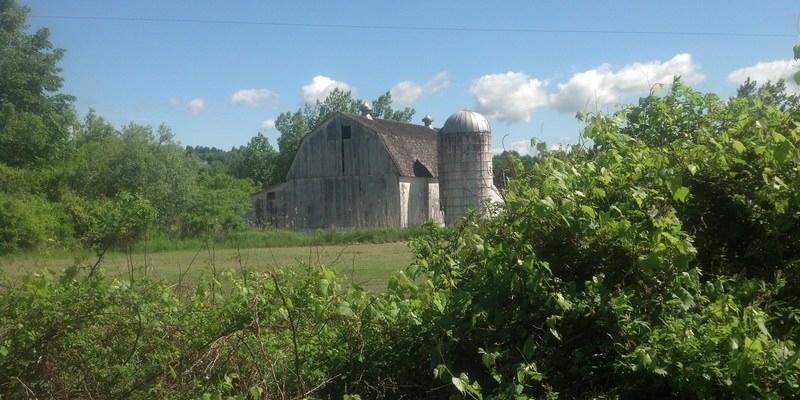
602, 86
406, 92
320, 87
768, 71
509, 97
513, 96
254, 97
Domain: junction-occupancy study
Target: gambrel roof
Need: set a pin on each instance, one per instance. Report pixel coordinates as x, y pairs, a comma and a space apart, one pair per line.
412, 147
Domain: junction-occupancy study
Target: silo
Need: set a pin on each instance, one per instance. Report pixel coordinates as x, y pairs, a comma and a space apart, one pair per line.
465, 165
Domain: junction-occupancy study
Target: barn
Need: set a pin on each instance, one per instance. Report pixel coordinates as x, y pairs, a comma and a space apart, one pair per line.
357, 171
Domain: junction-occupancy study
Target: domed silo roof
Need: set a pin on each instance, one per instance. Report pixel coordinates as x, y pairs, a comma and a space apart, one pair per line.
466, 121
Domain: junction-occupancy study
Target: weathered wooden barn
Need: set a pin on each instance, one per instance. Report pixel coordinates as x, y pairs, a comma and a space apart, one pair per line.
355, 171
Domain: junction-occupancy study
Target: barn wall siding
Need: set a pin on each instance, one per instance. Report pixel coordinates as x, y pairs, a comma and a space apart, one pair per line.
343, 176
326, 153
366, 201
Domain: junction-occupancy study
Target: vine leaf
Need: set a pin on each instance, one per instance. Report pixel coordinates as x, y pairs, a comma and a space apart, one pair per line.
738, 146
680, 194
458, 384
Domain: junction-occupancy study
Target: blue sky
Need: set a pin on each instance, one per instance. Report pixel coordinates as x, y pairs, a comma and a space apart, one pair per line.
218, 73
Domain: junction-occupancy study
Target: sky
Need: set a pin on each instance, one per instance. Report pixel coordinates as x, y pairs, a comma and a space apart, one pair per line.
218, 73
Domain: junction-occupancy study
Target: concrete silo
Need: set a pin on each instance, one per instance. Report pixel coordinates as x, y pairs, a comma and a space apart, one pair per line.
465, 165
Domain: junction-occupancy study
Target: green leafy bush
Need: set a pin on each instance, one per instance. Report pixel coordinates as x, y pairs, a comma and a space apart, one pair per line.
30, 222
654, 263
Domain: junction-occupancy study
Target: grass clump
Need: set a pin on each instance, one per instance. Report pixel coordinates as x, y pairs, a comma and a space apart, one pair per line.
270, 238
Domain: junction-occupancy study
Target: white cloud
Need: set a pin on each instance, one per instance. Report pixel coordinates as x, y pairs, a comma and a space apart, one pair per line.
406, 92
320, 87
268, 124
509, 97
768, 71
598, 87
196, 105
254, 97
174, 102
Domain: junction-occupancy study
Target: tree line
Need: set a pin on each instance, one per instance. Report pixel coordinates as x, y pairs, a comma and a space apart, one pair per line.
69, 181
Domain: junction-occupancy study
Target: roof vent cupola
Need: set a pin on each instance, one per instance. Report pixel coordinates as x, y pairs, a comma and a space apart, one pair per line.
366, 110
428, 121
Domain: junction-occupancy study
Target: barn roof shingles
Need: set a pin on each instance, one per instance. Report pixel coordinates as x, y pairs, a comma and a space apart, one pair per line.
406, 143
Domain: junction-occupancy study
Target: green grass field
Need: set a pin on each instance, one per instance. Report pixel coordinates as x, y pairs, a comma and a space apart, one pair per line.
369, 265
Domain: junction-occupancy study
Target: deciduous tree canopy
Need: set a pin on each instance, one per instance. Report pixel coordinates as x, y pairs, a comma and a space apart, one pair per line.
35, 119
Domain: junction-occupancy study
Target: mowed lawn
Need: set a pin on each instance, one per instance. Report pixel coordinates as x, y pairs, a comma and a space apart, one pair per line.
369, 265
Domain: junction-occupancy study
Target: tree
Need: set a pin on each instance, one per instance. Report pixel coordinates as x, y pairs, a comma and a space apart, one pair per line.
97, 148
506, 166
382, 108
29, 222
119, 222
772, 93
157, 168
259, 161
136, 159
220, 203
35, 120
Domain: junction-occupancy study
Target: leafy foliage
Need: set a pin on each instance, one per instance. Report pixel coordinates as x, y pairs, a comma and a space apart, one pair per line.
113, 223
35, 119
267, 334
648, 264
29, 220
219, 204
259, 162
506, 165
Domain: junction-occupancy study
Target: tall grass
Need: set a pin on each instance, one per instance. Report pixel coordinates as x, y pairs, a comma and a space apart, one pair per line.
281, 238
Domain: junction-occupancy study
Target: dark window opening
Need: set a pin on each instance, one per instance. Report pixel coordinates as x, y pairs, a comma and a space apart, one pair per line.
346, 135
421, 170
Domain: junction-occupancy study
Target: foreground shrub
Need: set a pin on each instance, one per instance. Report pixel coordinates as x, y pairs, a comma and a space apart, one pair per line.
660, 263
277, 333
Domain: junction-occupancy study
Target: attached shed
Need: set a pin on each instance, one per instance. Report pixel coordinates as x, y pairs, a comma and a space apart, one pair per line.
355, 171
